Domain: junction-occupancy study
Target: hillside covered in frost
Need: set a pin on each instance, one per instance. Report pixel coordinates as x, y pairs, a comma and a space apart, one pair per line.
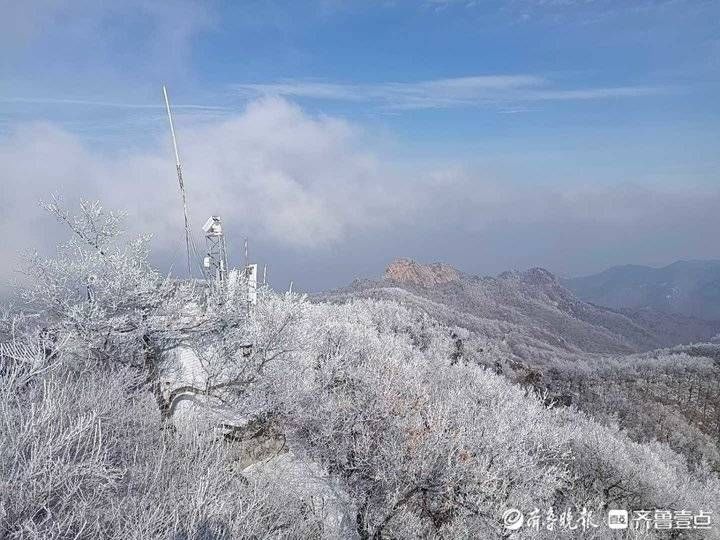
135, 405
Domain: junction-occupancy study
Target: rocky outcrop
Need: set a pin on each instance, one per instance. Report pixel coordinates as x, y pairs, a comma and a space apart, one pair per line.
544, 315
409, 272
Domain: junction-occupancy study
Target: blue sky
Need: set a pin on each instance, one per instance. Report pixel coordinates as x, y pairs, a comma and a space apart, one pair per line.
496, 120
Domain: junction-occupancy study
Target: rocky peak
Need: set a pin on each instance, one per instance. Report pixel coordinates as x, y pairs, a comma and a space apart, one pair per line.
425, 275
540, 276
533, 276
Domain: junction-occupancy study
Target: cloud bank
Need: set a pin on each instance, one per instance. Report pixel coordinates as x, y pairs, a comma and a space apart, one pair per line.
323, 207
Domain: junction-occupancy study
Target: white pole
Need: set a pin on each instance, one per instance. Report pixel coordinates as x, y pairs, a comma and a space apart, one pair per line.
172, 130
180, 180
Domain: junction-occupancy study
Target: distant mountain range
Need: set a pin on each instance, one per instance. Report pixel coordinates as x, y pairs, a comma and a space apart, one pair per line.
531, 313
689, 288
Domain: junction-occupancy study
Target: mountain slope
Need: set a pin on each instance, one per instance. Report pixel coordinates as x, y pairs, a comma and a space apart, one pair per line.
690, 288
527, 310
614, 366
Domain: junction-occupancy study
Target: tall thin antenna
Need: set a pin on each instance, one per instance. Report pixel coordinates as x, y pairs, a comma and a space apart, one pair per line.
247, 260
180, 180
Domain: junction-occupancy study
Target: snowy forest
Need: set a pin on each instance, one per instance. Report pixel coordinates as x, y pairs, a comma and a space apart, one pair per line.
359, 270
357, 414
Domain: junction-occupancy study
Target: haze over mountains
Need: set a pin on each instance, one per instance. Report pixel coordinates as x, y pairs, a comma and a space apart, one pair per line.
690, 288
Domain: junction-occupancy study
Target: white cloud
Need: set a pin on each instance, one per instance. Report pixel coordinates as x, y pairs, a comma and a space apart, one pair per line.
298, 183
98, 47
273, 172
106, 104
24, 23
487, 90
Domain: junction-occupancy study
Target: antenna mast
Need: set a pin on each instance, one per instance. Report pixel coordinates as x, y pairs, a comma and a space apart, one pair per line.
180, 180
